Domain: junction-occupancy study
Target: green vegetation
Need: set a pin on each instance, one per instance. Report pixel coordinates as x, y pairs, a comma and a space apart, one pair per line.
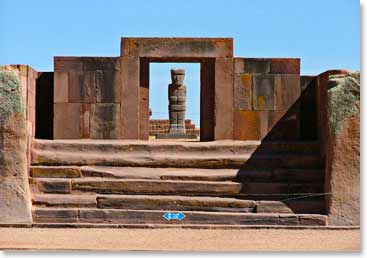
343, 99
10, 95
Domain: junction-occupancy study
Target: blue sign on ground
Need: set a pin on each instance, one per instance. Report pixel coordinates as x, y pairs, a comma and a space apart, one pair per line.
171, 215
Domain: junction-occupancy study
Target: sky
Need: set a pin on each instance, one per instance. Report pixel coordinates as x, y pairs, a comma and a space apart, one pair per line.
325, 34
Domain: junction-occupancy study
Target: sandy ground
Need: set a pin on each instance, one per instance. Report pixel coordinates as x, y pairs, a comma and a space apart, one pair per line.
179, 239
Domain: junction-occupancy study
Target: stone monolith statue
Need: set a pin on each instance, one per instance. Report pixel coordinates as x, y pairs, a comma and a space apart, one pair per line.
177, 102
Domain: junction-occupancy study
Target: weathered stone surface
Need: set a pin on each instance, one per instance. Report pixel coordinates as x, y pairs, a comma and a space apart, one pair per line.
264, 188
107, 86
313, 220
55, 171
243, 92
105, 121
288, 91
186, 203
343, 150
101, 63
64, 200
272, 207
130, 77
49, 215
190, 174
67, 120
15, 205
141, 186
285, 65
223, 98
53, 186
299, 175
191, 217
177, 47
82, 87
288, 219
61, 87
85, 115
67, 63
257, 65
250, 125
264, 97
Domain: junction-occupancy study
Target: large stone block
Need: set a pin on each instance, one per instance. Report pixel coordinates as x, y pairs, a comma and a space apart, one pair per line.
67, 63
82, 87
101, 63
243, 92
105, 121
342, 177
130, 77
264, 92
288, 91
15, 202
177, 47
84, 125
250, 125
285, 65
252, 65
67, 120
107, 86
223, 98
61, 87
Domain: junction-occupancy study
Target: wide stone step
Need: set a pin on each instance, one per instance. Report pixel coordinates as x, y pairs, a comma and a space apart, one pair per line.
174, 202
171, 187
168, 147
175, 159
191, 174
118, 216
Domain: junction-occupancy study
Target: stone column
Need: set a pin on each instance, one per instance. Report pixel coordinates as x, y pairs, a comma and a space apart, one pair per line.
15, 201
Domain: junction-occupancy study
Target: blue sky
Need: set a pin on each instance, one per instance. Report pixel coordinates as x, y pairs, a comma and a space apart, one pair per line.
325, 34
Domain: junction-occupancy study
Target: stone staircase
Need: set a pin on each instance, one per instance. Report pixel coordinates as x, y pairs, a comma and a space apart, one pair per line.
212, 183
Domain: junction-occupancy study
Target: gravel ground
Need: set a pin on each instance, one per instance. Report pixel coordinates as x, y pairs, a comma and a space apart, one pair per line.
179, 239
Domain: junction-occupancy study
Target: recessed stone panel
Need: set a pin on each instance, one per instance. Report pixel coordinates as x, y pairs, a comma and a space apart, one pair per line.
263, 92
105, 121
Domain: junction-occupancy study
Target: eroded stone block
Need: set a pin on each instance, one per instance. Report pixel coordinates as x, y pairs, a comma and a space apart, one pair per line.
105, 121
82, 87
285, 66
263, 92
67, 63
243, 92
61, 87
288, 91
107, 86
66, 120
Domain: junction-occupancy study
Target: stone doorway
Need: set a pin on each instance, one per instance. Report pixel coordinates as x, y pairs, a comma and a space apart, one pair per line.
206, 93
160, 79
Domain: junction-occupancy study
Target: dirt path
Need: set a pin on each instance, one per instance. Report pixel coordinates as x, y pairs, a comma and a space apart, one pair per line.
180, 239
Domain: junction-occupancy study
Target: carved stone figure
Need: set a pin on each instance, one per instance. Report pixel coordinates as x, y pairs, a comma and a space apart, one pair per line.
177, 102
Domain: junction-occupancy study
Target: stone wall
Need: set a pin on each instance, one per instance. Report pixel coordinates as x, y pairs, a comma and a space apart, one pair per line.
87, 97
342, 145
17, 127
266, 98
159, 126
